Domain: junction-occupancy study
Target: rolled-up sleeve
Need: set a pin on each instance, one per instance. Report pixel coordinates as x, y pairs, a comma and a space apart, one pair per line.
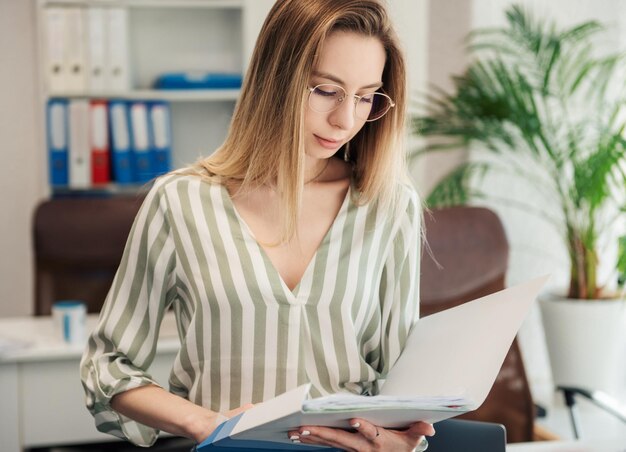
122, 347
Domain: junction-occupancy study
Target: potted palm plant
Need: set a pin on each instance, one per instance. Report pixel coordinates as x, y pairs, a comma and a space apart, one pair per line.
540, 102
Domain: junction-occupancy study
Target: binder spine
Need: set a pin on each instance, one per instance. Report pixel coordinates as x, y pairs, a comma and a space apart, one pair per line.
100, 157
142, 149
121, 156
79, 144
117, 59
161, 136
57, 122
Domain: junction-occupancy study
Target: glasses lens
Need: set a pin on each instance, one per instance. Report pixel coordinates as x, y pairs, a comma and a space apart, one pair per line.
324, 98
369, 107
372, 106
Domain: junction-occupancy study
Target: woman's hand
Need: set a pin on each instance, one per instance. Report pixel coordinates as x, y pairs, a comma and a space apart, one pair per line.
204, 422
366, 437
154, 406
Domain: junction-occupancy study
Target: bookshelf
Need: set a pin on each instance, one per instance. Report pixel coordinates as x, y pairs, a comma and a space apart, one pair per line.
159, 36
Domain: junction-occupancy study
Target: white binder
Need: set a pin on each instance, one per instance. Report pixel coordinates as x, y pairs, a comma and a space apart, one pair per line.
80, 144
76, 49
54, 48
96, 49
117, 75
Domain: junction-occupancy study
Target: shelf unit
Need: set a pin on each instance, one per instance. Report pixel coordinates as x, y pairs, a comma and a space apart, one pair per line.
171, 36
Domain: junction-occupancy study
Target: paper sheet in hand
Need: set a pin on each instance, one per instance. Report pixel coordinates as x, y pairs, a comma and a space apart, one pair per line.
447, 368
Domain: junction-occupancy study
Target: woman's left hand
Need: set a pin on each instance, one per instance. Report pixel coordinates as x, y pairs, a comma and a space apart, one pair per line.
365, 437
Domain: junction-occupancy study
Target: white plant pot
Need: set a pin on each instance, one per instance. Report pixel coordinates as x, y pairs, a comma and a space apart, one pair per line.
585, 339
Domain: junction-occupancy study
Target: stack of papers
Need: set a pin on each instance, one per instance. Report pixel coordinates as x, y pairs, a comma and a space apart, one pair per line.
349, 402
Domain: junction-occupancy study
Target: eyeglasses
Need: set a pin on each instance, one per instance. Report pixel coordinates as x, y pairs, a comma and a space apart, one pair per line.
368, 107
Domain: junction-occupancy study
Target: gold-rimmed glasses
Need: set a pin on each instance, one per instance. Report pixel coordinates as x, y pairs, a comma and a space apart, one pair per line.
326, 97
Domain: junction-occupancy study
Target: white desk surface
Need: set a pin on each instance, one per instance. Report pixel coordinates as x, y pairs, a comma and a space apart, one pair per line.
35, 339
615, 445
34, 359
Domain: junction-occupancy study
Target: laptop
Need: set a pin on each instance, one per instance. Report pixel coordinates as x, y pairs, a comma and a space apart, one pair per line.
455, 435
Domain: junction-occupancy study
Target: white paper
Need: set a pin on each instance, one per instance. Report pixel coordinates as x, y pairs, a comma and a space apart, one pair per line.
460, 351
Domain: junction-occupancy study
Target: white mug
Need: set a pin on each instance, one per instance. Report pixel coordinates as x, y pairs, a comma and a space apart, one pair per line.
70, 318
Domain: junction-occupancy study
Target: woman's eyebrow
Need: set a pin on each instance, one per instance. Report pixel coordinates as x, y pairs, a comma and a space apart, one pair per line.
341, 82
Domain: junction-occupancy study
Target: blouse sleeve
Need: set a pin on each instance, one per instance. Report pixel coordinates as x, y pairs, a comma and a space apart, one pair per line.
399, 289
122, 347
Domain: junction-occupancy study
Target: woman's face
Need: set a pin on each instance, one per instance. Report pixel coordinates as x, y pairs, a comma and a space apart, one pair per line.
354, 62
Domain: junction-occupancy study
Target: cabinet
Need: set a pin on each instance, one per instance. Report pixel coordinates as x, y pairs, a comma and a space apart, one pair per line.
154, 37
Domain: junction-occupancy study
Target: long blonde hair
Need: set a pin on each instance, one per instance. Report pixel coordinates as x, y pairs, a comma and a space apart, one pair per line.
265, 142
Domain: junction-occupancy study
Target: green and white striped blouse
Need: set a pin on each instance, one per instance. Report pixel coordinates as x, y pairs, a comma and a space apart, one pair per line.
245, 337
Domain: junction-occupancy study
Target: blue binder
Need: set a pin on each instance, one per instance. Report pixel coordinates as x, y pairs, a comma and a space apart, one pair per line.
141, 142
57, 140
159, 118
121, 151
199, 80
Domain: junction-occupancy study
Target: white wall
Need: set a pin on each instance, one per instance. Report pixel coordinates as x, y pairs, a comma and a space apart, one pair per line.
20, 178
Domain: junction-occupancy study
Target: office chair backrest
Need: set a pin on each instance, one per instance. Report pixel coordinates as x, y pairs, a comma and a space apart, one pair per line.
469, 260
78, 244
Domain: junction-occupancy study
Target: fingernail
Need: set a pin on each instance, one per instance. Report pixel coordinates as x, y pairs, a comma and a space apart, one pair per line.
355, 425
305, 433
294, 437
295, 441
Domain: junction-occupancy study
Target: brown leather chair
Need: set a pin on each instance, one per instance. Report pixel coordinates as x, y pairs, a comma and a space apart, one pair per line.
468, 259
78, 244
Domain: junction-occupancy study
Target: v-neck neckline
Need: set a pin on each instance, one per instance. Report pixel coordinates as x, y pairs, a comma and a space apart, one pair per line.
306, 275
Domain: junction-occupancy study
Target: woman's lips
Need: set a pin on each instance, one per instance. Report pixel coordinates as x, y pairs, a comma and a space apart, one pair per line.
329, 144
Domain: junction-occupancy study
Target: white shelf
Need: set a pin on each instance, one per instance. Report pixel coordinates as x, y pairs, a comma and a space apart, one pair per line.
222, 4
194, 95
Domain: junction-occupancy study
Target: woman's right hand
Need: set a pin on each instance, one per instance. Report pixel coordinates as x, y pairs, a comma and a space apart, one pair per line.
154, 406
202, 424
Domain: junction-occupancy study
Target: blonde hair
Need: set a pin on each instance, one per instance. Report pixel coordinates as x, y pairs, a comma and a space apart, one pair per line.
265, 141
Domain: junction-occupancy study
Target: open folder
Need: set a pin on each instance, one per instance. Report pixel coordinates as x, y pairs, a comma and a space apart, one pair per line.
447, 368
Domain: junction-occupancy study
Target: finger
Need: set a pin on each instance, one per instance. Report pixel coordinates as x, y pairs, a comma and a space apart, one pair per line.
368, 430
333, 437
420, 429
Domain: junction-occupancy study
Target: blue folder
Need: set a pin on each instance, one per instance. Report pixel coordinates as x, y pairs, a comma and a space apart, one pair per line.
57, 141
220, 441
142, 150
121, 142
198, 80
161, 136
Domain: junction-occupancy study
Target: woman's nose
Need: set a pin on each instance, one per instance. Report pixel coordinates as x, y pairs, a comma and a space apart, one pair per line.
343, 115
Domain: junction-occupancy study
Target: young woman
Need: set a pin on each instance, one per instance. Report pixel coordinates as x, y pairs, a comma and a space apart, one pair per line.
289, 256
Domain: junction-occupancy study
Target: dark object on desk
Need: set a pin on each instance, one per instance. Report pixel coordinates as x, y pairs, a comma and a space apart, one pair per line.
78, 245
470, 245
599, 398
455, 435
164, 444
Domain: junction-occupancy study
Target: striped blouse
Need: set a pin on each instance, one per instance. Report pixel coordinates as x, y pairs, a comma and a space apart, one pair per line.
245, 336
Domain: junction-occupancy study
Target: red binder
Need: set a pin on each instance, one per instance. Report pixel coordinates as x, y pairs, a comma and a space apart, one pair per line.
100, 157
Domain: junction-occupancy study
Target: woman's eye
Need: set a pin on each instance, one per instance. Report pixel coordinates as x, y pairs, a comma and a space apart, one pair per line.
367, 99
325, 93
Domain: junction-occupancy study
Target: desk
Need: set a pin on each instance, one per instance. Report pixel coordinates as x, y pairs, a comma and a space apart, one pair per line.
616, 445
42, 400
